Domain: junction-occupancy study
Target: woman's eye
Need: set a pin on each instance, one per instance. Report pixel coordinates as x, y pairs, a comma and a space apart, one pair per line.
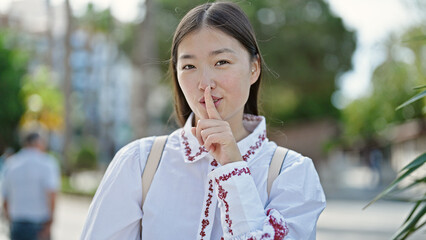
187, 67
221, 62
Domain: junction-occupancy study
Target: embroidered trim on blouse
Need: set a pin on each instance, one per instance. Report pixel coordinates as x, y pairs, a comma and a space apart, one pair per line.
214, 163
245, 157
280, 229
253, 148
222, 193
205, 221
249, 117
188, 149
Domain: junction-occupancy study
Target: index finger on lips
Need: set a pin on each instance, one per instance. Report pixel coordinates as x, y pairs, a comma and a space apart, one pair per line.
211, 108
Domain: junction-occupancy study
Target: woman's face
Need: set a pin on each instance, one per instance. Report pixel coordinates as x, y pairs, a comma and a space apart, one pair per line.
210, 57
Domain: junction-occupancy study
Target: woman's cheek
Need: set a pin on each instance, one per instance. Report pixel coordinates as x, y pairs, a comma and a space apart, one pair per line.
189, 93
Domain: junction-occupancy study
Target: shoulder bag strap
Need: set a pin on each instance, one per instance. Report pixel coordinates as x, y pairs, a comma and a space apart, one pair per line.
150, 169
276, 165
152, 164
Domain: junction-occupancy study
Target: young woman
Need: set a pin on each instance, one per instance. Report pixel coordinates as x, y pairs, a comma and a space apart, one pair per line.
211, 182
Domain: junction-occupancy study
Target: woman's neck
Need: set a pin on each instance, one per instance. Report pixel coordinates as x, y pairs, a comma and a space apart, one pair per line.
237, 128
241, 133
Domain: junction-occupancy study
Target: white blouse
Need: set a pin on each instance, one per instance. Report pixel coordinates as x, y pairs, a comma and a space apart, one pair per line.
193, 197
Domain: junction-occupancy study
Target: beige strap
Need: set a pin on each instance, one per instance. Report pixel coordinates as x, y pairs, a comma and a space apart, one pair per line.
152, 164
275, 166
150, 169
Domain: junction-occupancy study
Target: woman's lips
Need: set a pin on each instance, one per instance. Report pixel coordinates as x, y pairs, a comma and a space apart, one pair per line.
216, 101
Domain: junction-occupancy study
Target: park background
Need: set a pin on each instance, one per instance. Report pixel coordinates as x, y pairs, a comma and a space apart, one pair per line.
91, 76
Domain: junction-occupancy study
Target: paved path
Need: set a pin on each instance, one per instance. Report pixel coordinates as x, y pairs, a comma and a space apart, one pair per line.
342, 220
70, 214
345, 220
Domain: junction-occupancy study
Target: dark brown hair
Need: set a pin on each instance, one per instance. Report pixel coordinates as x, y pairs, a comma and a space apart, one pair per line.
31, 138
228, 18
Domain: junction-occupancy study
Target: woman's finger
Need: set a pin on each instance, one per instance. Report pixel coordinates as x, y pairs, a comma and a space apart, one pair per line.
209, 131
203, 124
216, 139
211, 142
211, 108
194, 132
198, 130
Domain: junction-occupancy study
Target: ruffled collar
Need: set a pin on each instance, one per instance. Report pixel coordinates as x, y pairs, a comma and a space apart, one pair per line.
249, 146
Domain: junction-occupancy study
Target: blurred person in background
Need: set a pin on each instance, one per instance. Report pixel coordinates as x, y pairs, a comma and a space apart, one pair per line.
29, 186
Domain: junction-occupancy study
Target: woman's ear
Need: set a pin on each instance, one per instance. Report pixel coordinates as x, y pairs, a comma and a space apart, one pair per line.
255, 69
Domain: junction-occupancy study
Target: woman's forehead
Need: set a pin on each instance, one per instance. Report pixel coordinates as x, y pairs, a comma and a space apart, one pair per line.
208, 40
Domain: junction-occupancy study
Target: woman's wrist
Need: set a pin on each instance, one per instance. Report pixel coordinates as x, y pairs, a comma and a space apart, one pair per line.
234, 158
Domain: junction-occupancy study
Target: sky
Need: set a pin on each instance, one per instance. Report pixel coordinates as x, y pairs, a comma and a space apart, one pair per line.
124, 10
372, 20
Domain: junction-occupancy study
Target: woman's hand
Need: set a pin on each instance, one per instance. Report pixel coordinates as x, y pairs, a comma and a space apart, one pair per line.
216, 134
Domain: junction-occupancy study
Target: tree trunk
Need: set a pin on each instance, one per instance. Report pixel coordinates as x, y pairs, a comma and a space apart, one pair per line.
67, 91
49, 24
147, 72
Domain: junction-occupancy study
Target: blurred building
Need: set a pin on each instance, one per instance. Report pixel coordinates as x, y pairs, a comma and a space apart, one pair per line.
101, 76
309, 137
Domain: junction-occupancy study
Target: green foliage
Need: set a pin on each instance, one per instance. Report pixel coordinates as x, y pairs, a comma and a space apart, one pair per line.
84, 156
86, 159
412, 222
392, 83
413, 99
365, 118
303, 44
407, 170
13, 66
66, 187
96, 21
43, 99
313, 48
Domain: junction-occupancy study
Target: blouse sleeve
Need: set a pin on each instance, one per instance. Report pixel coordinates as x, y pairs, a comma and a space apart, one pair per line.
294, 205
115, 211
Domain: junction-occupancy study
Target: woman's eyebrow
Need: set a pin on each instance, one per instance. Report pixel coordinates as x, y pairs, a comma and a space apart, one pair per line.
212, 53
186, 56
222, 50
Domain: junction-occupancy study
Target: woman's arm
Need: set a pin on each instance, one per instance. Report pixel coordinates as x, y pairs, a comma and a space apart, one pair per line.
295, 204
115, 211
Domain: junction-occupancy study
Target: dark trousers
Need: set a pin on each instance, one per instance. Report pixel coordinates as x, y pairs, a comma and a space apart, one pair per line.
25, 230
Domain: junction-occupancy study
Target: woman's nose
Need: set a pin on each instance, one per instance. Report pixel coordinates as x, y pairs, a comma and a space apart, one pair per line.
207, 78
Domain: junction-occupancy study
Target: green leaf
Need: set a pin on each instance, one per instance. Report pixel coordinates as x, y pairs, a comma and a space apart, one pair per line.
412, 211
420, 226
420, 160
410, 226
420, 87
400, 199
411, 167
413, 99
415, 183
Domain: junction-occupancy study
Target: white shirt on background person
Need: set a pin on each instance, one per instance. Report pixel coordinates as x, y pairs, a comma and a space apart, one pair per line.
27, 178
